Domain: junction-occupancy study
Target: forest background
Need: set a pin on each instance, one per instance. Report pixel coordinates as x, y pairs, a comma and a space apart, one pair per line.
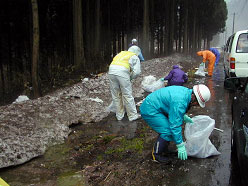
48, 44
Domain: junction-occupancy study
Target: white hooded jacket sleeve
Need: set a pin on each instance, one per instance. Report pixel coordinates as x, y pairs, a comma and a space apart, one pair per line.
135, 70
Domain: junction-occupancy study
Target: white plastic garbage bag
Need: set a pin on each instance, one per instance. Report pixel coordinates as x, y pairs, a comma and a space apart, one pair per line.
21, 98
200, 71
150, 84
197, 135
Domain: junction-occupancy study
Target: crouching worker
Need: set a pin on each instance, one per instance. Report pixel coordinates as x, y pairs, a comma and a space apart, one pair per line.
124, 67
165, 110
176, 76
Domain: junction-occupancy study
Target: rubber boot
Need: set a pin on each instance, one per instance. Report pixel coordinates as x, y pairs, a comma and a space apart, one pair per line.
160, 146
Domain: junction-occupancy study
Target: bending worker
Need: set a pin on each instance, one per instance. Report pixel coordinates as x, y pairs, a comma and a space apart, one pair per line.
124, 67
176, 76
210, 57
217, 55
165, 110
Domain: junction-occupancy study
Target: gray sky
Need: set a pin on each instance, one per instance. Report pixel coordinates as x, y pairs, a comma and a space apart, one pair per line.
239, 7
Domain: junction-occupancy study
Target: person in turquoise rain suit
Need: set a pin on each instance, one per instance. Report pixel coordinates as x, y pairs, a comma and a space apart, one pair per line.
165, 110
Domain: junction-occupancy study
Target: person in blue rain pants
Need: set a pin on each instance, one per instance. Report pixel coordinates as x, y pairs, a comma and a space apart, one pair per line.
176, 76
217, 55
134, 42
165, 110
124, 68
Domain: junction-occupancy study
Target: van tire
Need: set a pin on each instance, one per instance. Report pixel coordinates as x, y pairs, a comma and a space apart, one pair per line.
232, 74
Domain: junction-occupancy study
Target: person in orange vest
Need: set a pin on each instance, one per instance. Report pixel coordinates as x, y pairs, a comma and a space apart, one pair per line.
124, 67
210, 57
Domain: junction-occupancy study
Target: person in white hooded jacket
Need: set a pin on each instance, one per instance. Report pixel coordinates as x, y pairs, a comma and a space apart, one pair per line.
124, 67
134, 42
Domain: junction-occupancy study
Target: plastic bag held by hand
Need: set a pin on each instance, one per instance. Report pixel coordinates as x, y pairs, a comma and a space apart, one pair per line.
200, 71
197, 142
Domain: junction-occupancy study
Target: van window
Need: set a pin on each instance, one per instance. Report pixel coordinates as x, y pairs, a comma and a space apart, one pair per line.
227, 45
230, 44
242, 45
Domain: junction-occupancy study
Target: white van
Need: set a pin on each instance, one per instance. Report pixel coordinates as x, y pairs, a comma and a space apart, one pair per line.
236, 55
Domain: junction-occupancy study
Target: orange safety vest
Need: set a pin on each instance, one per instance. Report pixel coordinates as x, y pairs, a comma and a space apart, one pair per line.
122, 59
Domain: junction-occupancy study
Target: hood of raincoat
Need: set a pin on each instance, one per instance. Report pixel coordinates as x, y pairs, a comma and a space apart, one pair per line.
199, 53
175, 66
135, 49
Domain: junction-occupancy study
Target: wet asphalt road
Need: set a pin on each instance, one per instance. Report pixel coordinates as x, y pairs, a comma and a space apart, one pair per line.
220, 109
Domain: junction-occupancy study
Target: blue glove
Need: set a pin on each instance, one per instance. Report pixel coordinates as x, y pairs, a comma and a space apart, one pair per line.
162, 79
215, 65
182, 154
187, 119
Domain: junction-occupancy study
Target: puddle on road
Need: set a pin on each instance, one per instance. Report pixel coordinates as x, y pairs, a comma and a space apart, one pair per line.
122, 128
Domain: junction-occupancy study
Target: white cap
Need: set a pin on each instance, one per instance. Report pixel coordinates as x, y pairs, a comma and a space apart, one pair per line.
202, 94
134, 41
135, 49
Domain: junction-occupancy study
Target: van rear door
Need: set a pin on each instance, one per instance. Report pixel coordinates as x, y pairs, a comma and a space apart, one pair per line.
241, 56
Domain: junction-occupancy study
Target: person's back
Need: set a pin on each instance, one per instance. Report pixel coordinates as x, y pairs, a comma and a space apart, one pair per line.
176, 76
165, 98
214, 51
134, 42
217, 55
206, 54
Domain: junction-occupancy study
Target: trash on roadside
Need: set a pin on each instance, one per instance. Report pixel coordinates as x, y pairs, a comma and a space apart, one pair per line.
21, 98
197, 135
85, 79
220, 130
96, 100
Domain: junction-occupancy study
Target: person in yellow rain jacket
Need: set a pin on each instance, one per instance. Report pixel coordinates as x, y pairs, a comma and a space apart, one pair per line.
210, 57
124, 67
